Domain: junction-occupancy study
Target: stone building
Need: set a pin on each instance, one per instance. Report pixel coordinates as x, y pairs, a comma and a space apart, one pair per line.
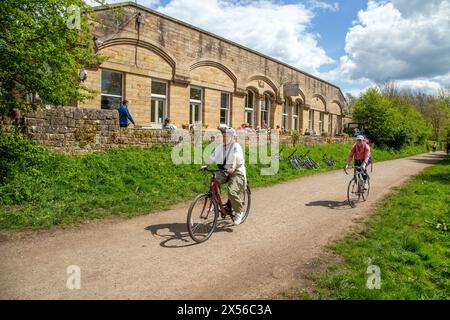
168, 68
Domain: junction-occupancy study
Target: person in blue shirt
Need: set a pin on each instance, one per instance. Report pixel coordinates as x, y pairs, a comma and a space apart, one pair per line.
124, 115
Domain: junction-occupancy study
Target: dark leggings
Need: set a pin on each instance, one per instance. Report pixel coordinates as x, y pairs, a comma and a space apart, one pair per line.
359, 163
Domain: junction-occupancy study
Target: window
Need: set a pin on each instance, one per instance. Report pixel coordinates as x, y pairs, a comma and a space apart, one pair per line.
330, 123
295, 113
284, 116
112, 84
195, 106
265, 112
311, 121
158, 110
320, 122
225, 109
338, 125
249, 107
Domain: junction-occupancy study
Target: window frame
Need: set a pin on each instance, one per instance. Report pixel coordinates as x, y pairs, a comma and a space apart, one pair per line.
285, 115
248, 110
311, 120
198, 103
295, 116
267, 105
122, 87
160, 98
227, 109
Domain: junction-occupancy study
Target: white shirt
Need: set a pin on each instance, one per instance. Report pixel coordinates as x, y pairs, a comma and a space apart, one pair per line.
231, 149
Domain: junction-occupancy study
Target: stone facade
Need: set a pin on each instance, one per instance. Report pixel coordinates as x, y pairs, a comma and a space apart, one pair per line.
81, 130
182, 57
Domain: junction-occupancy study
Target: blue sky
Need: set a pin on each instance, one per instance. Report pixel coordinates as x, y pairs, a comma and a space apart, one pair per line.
354, 44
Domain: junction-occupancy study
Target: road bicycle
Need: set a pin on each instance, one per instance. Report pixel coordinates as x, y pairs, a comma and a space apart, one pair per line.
205, 209
328, 160
356, 189
292, 158
307, 162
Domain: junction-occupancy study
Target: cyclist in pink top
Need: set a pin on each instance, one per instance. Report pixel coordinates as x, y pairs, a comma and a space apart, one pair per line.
361, 152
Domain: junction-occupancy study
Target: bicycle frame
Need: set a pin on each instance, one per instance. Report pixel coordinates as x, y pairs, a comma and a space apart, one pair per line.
215, 194
357, 174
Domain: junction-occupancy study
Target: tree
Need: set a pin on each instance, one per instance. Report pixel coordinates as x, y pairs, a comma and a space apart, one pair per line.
44, 44
349, 102
390, 121
439, 115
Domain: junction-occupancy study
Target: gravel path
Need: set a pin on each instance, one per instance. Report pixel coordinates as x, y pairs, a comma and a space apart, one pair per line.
152, 256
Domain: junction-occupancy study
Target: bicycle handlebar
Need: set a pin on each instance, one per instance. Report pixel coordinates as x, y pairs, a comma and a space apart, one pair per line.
212, 170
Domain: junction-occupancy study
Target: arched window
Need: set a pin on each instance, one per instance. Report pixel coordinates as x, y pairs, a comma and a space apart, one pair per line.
249, 107
265, 112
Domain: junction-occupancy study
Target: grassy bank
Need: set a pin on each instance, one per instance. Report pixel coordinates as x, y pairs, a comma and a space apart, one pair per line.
407, 238
40, 188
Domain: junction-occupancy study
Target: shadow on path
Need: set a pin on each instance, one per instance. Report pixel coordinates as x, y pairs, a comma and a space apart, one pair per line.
339, 205
176, 235
431, 158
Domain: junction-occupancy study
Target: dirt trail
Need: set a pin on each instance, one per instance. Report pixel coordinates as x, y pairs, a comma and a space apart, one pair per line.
152, 256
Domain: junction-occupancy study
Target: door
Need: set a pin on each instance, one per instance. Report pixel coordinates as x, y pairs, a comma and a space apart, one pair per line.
157, 113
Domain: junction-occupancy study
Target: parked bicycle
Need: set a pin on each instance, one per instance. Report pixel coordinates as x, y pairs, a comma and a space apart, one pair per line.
292, 158
205, 209
356, 189
328, 160
308, 162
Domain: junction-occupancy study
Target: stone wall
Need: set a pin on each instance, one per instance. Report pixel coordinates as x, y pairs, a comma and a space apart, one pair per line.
80, 130
77, 130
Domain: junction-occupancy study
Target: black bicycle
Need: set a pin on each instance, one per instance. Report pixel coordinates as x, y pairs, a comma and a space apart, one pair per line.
292, 158
328, 160
308, 162
358, 188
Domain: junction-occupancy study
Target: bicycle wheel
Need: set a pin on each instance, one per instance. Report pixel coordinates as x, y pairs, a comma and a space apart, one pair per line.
365, 194
247, 202
202, 217
353, 194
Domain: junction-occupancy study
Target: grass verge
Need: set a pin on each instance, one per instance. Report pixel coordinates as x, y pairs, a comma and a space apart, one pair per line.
407, 238
40, 188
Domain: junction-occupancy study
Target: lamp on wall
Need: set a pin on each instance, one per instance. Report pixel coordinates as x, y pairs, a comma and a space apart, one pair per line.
83, 74
138, 20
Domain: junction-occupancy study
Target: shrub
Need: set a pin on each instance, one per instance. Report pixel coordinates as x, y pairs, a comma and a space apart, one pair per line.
390, 122
295, 137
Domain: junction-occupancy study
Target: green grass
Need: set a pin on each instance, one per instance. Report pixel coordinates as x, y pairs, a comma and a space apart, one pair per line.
408, 238
40, 188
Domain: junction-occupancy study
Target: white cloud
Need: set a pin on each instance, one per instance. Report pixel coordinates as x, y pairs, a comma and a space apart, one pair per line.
398, 40
315, 4
276, 29
426, 86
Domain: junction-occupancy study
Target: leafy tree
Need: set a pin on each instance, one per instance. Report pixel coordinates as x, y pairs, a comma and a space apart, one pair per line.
44, 44
389, 121
439, 115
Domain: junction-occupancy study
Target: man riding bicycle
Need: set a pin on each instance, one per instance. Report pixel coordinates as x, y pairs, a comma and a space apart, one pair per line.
361, 152
230, 158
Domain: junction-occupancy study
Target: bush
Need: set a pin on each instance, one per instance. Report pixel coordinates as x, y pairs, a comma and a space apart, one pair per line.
390, 122
295, 137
